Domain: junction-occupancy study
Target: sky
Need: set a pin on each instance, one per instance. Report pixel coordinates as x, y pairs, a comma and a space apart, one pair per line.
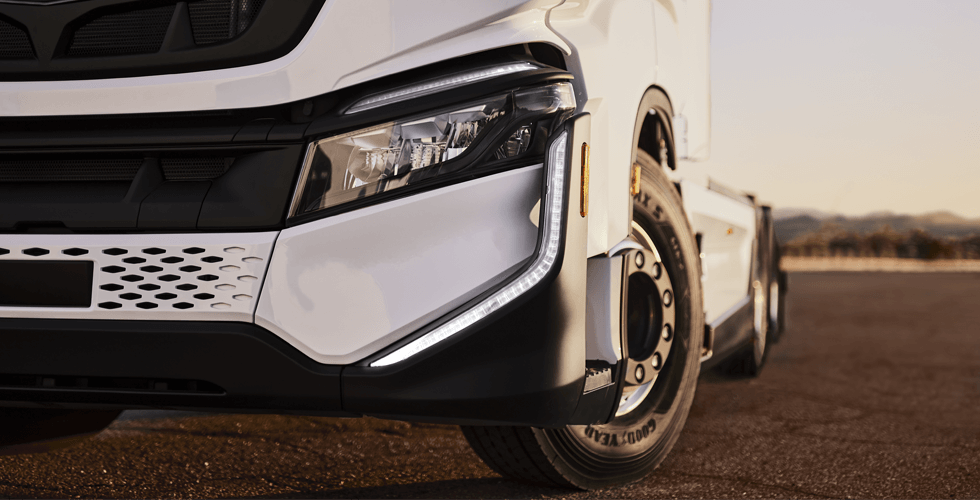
848, 106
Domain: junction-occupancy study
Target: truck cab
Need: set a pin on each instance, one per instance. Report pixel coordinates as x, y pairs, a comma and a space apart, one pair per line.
464, 212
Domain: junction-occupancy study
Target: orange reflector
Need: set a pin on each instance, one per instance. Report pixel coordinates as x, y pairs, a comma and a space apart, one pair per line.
584, 199
635, 185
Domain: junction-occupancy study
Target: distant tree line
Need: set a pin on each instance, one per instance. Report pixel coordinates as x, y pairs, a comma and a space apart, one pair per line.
914, 244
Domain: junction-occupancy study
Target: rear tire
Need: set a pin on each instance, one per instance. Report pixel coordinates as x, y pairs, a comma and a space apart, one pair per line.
766, 292
638, 439
777, 296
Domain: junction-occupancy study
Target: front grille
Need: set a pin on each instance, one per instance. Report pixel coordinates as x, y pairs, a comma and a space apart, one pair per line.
190, 277
127, 384
110, 169
96, 39
194, 169
215, 21
69, 170
125, 33
14, 43
142, 31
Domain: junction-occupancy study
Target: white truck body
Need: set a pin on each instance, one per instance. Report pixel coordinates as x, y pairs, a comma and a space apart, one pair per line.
378, 297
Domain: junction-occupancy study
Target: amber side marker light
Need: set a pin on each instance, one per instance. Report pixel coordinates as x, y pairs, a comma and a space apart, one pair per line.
635, 184
584, 199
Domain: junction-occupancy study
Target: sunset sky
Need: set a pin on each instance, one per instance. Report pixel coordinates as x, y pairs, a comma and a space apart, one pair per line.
848, 106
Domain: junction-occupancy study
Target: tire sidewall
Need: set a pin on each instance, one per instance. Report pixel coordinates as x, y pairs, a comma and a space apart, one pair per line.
658, 209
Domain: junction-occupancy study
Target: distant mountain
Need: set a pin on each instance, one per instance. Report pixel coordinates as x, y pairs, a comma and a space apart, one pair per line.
805, 222
947, 218
789, 213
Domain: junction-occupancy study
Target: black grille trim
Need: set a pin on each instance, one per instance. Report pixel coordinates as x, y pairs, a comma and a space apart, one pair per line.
95, 39
195, 169
125, 33
100, 170
14, 43
217, 21
110, 169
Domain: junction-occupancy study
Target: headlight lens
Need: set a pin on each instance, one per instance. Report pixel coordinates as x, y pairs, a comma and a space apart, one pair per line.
387, 157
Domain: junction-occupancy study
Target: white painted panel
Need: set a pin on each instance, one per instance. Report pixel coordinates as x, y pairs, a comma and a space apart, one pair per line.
727, 228
341, 288
614, 60
683, 69
230, 285
350, 42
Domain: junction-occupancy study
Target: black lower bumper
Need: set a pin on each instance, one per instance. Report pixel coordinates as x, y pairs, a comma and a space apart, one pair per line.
525, 367
169, 364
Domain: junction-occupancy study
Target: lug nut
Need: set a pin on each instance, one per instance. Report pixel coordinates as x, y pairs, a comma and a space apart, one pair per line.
668, 298
639, 373
656, 270
656, 361
640, 259
666, 333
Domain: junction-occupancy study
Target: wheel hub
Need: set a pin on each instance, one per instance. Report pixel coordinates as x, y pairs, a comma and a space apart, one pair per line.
649, 321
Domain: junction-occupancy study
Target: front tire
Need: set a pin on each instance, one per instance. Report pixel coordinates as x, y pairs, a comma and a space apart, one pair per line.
646, 427
29, 430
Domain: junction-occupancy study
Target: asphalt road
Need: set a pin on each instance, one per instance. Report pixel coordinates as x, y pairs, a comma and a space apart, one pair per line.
873, 393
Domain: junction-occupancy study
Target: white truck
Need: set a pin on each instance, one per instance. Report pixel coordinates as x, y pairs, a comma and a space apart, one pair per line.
463, 212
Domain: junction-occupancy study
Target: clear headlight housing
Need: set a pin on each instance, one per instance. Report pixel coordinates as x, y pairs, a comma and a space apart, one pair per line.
459, 141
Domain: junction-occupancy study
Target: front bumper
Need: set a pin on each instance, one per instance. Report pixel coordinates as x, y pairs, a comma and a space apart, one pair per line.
496, 373
522, 365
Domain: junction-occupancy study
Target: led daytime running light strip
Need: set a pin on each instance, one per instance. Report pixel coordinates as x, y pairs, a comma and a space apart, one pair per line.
438, 85
544, 262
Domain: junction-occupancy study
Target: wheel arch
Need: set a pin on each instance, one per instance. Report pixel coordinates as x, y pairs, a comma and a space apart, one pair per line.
646, 135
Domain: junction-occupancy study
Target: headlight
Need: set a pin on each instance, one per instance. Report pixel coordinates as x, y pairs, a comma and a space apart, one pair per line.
419, 150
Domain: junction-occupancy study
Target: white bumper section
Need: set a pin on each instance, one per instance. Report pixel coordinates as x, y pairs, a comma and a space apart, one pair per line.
337, 289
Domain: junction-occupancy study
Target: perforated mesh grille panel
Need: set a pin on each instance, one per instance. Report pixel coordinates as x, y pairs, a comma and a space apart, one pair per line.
193, 277
125, 33
194, 169
68, 170
215, 21
14, 43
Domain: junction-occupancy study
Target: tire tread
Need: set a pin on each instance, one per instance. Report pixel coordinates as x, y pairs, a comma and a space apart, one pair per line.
514, 452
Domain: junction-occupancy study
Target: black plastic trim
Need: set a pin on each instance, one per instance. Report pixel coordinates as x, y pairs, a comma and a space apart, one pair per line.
46, 283
277, 29
252, 195
731, 334
257, 370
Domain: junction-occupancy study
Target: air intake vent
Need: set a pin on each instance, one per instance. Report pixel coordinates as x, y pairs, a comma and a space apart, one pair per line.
110, 169
124, 33
215, 21
14, 43
194, 169
100, 170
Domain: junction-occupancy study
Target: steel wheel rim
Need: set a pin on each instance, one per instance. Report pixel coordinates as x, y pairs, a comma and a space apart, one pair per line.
760, 326
635, 430
634, 395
